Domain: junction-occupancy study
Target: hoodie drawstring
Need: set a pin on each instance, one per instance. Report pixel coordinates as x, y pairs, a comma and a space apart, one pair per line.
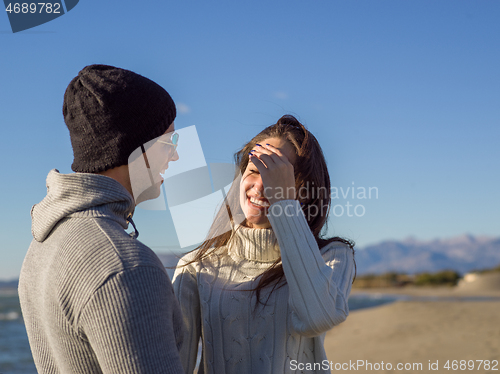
135, 234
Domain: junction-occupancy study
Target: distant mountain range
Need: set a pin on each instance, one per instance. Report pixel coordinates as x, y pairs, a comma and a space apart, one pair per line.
463, 254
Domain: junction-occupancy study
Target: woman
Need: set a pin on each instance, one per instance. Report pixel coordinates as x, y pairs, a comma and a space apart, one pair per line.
263, 294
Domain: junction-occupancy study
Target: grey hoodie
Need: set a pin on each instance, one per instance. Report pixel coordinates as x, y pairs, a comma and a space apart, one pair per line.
95, 300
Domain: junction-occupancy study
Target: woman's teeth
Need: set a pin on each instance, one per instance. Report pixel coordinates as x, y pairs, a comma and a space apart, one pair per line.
259, 202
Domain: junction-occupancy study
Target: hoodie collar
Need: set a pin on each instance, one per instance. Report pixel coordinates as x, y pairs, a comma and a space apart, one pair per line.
80, 195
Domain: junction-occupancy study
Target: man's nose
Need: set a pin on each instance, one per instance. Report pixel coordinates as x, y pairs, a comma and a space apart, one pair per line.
175, 156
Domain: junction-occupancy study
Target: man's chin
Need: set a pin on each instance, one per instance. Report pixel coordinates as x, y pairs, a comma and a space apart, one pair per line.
150, 193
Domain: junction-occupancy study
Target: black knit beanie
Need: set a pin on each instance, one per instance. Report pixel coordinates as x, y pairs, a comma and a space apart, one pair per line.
110, 112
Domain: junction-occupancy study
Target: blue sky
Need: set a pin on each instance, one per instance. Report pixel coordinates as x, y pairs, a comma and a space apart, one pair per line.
402, 95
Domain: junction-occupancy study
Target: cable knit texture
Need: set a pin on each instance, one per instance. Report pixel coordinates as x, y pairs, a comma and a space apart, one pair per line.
218, 306
93, 299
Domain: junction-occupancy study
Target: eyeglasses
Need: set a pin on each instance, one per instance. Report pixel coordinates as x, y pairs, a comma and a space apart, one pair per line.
174, 140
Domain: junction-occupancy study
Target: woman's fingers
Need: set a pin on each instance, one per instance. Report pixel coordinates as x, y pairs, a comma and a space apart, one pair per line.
273, 149
269, 154
269, 150
257, 162
276, 172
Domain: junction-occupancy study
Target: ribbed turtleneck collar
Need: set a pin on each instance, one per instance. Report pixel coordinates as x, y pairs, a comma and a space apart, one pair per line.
258, 245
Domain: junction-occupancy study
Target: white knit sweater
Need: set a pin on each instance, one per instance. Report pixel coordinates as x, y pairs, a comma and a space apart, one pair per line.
290, 329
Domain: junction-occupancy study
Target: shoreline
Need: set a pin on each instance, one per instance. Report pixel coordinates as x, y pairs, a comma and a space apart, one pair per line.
431, 327
429, 292
417, 332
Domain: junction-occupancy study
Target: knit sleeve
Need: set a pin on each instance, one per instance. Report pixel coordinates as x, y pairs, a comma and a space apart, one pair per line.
130, 323
319, 281
186, 290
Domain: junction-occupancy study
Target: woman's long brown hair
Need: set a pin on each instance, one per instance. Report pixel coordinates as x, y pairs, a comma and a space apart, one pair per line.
312, 183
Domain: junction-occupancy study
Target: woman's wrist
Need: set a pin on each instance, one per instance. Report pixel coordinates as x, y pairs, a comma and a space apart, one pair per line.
288, 195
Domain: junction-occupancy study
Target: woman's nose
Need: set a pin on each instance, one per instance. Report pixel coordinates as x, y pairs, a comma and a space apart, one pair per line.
258, 186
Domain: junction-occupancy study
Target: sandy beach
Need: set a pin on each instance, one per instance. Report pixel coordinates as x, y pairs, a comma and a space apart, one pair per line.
433, 327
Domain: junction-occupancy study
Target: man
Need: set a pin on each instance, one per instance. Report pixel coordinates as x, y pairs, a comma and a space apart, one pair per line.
94, 298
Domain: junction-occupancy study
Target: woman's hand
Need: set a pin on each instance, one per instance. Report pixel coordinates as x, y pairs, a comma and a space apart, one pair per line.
276, 172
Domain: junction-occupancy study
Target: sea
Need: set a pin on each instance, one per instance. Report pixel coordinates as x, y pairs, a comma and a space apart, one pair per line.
15, 354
